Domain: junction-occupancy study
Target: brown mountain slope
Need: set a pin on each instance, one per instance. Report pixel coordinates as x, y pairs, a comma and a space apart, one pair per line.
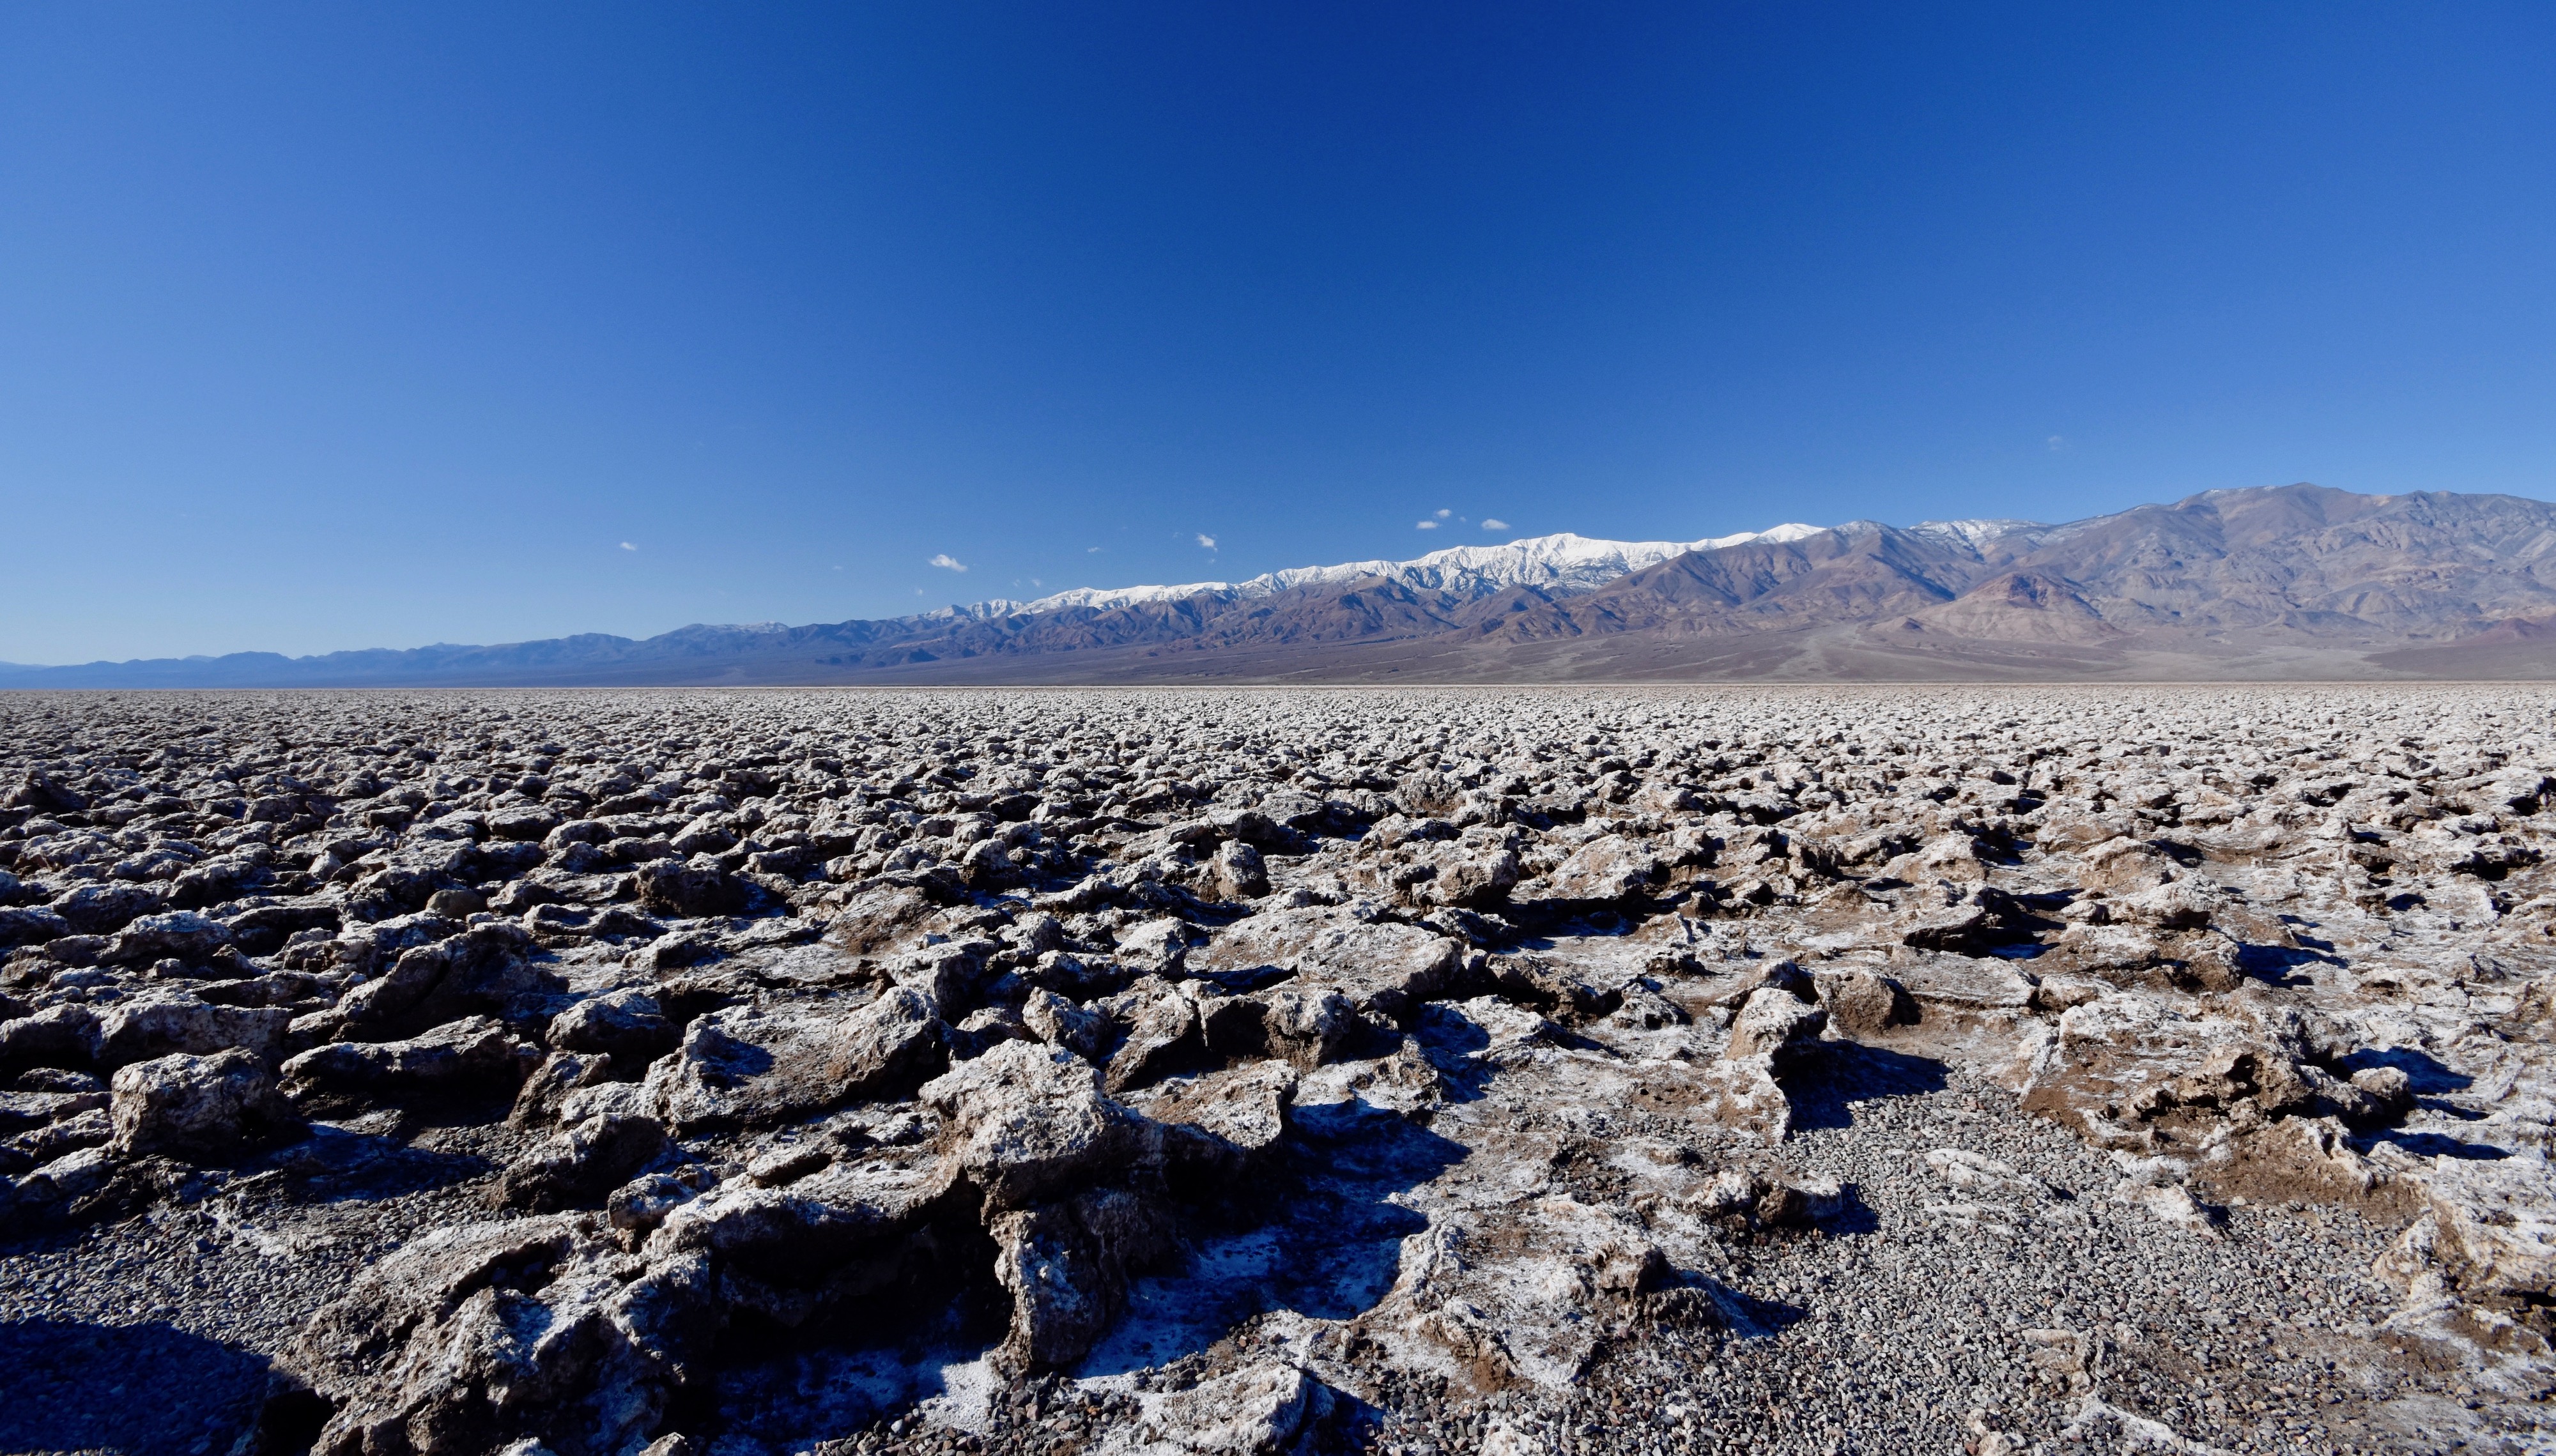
2239, 579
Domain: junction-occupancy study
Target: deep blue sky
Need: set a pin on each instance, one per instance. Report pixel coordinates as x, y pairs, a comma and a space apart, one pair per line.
341, 326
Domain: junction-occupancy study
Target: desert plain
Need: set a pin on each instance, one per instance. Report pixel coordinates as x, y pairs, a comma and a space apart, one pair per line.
1820, 1070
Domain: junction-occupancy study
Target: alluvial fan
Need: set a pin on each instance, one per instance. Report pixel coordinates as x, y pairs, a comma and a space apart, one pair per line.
1807, 1069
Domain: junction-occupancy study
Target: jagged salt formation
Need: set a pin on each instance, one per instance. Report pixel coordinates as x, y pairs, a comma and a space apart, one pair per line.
1244, 1071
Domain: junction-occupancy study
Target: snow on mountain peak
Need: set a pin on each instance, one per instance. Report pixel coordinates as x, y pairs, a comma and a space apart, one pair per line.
1565, 560
1973, 533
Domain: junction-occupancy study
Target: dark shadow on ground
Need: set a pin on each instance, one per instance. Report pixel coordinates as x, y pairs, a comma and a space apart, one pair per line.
784, 1388
1851, 1215
1321, 1239
2277, 965
1825, 1088
2425, 1075
144, 1390
336, 1165
2438, 1145
1750, 1317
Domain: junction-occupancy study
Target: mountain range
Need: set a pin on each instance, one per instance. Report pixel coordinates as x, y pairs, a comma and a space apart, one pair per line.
2288, 582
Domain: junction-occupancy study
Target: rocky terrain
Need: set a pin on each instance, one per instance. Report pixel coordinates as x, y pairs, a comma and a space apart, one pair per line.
2291, 582
1821, 1070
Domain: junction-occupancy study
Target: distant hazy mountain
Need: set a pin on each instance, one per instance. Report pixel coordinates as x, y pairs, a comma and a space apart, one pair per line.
2288, 581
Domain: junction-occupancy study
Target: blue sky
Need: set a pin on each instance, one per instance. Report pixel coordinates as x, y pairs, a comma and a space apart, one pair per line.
327, 326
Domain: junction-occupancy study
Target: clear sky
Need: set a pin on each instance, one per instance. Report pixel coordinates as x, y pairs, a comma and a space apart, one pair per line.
344, 325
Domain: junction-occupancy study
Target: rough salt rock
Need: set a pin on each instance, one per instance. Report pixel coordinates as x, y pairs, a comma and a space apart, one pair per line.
1158, 947
545, 1092
472, 1055
1245, 1108
1256, 1410
1060, 1023
180, 935
1163, 1036
675, 889
483, 971
1863, 1004
625, 1024
879, 921
1750, 1194
2488, 1229
1774, 1024
57, 1037
1460, 873
35, 926
1968, 929
806, 1228
607, 1132
102, 908
1743, 1096
2124, 866
1607, 867
1385, 969
2168, 1203
755, 1066
2310, 1155
1559, 990
1307, 1025
2181, 905
2131, 1057
1974, 1172
1025, 1121
160, 1023
1067, 1265
198, 1107
1239, 872
474, 1337
947, 975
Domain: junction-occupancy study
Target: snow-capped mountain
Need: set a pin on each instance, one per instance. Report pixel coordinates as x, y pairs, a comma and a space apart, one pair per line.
2428, 583
1563, 561
1974, 534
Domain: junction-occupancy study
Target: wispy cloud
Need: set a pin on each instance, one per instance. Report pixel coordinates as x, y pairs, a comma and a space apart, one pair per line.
1207, 540
947, 562
627, 547
1092, 551
1494, 523
1443, 513
1423, 525
2057, 441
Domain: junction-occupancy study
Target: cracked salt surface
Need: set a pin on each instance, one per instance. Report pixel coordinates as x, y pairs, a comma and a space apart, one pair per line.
1797, 1069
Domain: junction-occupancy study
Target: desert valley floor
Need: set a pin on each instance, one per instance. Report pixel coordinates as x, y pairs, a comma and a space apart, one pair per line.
1867, 1069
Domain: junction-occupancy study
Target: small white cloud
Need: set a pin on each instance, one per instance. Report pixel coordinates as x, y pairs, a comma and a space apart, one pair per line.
1092, 551
947, 562
2057, 441
1034, 581
1207, 540
1425, 525
1443, 514
627, 547
1494, 523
